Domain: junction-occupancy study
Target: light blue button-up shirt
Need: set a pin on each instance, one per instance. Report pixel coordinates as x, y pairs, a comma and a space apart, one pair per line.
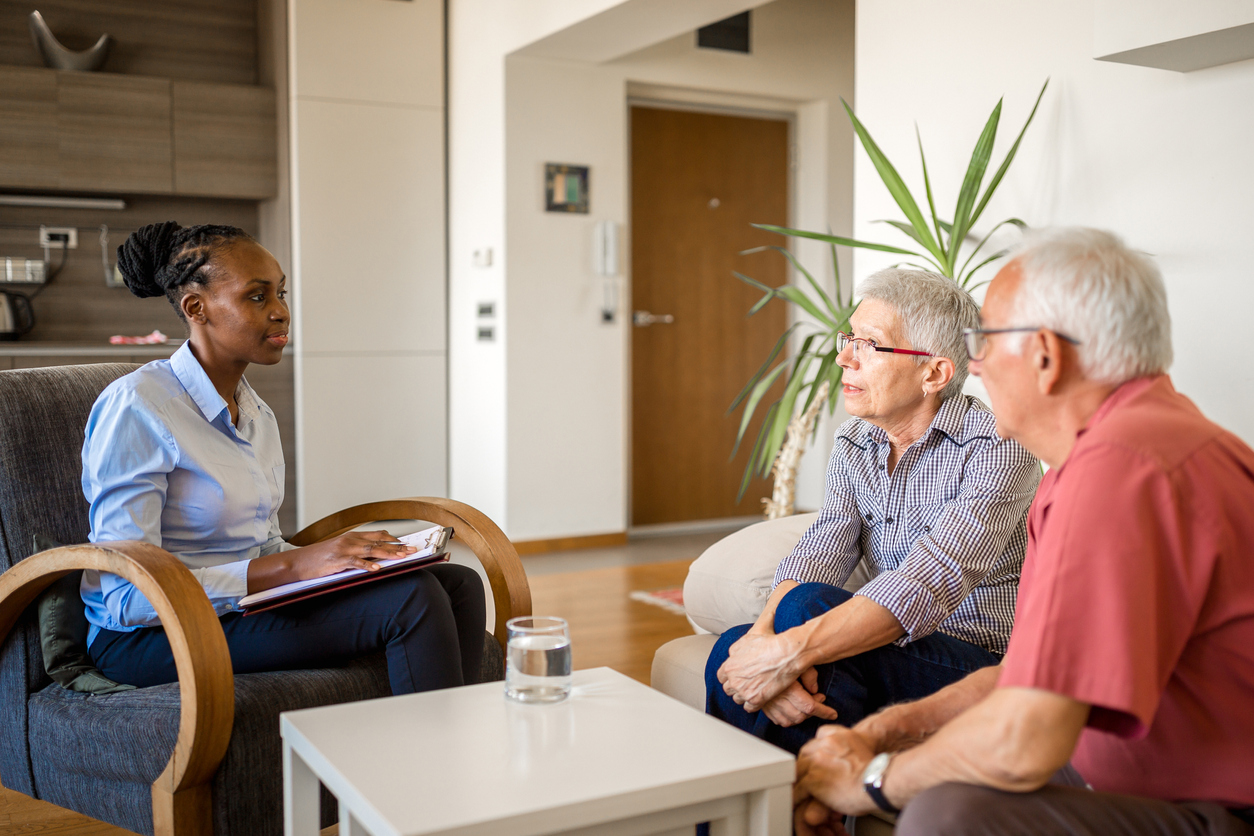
163, 463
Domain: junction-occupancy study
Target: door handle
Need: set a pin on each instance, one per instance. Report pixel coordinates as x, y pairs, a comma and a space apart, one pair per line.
643, 319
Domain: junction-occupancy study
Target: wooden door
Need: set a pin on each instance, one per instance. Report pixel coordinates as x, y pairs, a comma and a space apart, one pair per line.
698, 181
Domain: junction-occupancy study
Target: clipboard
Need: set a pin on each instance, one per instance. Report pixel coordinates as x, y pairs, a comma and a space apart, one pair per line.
432, 545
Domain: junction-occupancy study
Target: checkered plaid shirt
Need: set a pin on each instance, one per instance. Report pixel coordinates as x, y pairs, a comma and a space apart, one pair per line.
943, 536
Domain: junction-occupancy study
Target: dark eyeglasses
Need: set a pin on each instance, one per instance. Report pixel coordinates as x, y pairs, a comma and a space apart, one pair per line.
976, 339
862, 346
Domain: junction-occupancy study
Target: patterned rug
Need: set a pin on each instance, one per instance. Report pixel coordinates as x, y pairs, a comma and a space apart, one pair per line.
670, 599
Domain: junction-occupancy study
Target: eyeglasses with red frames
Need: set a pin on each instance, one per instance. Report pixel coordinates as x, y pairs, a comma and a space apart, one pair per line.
862, 345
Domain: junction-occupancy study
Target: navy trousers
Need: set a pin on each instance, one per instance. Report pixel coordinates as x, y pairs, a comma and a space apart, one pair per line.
857, 686
429, 621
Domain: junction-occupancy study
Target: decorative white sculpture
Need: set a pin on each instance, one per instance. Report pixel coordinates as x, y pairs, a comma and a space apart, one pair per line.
784, 493
58, 57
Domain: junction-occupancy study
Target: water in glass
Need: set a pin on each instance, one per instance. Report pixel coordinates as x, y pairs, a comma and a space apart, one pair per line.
537, 667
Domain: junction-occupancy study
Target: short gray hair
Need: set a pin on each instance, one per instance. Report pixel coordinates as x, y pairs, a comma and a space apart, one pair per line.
1087, 284
933, 310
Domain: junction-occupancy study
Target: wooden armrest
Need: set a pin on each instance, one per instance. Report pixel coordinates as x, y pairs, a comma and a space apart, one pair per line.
510, 590
181, 794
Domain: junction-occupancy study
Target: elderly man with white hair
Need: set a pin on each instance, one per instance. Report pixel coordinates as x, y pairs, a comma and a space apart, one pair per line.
1133, 650
923, 490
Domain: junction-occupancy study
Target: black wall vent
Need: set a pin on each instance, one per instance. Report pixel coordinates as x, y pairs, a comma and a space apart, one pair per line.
731, 34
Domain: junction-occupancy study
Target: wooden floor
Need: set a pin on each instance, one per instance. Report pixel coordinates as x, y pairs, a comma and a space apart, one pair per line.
20, 814
607, 628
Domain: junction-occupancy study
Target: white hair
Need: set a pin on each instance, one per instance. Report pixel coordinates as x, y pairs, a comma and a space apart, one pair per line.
933, 310
1088, 285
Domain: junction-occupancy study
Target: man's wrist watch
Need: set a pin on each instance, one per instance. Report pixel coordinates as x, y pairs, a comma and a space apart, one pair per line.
873, 781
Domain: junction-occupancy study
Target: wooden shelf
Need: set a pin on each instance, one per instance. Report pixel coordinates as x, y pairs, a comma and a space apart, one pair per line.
112, 133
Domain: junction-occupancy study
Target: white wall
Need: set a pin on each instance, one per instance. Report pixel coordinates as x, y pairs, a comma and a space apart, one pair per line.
1161, 158
567, 409
367, 167
566, 399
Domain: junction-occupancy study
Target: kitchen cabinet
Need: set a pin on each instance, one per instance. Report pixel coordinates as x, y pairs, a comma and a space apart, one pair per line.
127, 134
113, 133
28, 118
224, 140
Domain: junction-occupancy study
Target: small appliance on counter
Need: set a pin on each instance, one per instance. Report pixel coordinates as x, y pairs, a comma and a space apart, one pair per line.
16, 316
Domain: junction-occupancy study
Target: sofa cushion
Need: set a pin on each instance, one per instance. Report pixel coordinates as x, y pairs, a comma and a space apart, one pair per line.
63, 638
679, 669
63, 630
730, 582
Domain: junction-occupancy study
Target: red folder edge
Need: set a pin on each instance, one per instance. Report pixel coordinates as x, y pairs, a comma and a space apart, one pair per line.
358, 580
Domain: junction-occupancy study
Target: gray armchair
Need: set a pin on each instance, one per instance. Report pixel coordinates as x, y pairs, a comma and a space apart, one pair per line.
197, 757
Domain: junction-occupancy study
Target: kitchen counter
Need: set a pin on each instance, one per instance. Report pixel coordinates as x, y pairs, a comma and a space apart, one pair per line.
29, 354
28, 348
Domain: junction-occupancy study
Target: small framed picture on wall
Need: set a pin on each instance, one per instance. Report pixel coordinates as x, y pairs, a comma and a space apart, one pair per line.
565, 188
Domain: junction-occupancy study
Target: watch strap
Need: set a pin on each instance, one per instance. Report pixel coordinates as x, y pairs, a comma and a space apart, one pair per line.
877, 795
873, 783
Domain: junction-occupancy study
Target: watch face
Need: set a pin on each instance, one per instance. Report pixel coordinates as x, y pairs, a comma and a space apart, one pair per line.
875, 768
873, 781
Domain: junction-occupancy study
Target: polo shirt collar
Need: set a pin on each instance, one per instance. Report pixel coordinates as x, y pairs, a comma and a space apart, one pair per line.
1124, 393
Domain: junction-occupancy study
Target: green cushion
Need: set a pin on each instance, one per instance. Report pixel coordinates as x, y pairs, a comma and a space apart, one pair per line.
63, 635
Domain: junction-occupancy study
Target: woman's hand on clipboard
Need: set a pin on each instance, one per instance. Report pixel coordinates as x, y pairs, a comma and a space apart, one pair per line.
354, 550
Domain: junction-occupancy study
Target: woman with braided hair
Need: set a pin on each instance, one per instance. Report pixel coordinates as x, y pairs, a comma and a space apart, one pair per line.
182, 453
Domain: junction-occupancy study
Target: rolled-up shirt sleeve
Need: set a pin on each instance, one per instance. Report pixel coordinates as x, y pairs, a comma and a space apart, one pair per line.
960, 543
127, 458
828, 551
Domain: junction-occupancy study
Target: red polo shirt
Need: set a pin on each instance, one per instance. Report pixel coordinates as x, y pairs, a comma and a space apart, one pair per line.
1137, 597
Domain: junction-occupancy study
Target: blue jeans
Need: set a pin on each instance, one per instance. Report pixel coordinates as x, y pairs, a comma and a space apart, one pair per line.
856, 686
430, 623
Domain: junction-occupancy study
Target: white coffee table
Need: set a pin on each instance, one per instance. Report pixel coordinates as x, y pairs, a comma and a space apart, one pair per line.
616, 759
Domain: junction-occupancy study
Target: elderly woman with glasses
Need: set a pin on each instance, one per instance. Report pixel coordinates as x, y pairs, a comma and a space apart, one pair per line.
922, 489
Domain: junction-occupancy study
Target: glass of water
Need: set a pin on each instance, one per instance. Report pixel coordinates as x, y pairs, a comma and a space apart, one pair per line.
537, 665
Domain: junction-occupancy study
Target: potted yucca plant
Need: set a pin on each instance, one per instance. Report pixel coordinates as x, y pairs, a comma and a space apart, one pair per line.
811, 374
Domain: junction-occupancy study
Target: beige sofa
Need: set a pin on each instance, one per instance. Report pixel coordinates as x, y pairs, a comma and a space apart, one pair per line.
728, 585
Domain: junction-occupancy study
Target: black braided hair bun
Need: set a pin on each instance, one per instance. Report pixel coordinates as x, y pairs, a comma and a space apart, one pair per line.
144, 256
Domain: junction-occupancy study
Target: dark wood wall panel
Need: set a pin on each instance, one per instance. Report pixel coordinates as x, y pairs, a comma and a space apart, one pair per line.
28, 100
111, 133
185, 39
114, 133
224, 140
77, 306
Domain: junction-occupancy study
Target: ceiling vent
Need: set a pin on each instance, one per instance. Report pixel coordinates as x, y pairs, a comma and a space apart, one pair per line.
731, 34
